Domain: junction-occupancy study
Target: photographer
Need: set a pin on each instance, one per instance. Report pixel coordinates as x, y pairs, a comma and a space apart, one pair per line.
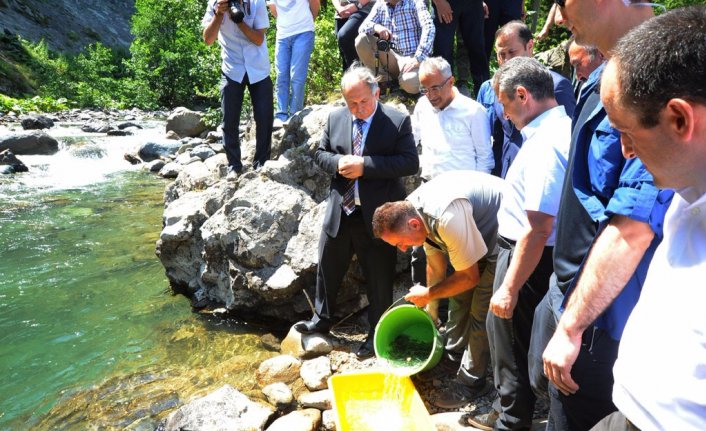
239, 26
406, 48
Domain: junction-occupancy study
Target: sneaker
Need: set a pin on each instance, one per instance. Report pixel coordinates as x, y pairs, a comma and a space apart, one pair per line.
458, 394
485, 422
233, 173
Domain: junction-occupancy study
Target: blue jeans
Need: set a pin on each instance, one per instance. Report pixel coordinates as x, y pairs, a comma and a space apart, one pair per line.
292, 63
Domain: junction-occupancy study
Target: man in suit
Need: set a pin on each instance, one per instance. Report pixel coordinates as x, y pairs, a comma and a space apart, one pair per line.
367, 148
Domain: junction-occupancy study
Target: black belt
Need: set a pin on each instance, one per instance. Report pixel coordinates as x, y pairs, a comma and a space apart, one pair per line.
506, 242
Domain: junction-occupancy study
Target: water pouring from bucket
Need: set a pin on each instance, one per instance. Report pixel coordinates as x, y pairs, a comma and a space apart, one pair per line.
408, 340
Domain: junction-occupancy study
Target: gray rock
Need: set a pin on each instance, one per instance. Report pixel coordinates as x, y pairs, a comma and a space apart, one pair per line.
223, 410
203, 152
278, 394
172, 136
36, 122
305, 346
132, 159
125, 124
9, 160
214, 136
154, 150
87, 151
328, 420
321, 400
119, 133
219, 148
29, 142
315, 373
185, 122
155, 165
283, 368
298, 420
96, 126
170, 170
6, 170
186, 159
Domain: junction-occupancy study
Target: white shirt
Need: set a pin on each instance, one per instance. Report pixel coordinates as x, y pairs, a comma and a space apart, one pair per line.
293, 17
536, 176
454, 138
660, 373
238, 54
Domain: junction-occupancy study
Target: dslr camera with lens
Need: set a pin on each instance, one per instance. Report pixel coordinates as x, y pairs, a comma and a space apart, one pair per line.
238, 10
384, 45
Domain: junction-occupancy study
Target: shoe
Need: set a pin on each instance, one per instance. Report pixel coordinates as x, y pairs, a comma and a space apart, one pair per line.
485, 422
366, 350
233, 173
277, 123
459, 394
445, 368
309, 327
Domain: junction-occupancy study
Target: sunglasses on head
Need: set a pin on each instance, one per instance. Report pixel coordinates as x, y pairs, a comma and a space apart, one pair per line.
662, 8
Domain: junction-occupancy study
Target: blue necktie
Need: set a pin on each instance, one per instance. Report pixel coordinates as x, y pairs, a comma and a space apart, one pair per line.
349, 196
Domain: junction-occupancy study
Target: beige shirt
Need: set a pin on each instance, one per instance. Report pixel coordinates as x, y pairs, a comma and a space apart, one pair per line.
461, 238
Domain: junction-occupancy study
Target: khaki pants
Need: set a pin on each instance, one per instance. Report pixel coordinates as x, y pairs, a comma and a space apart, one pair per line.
389, 65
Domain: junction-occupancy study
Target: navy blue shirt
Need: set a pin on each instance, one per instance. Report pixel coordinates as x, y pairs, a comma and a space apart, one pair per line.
507, 140
599, 184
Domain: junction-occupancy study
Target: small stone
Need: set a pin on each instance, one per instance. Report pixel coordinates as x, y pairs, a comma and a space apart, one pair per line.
315, 373
328, 420
283, 368
278, 394
319, 399
299, 420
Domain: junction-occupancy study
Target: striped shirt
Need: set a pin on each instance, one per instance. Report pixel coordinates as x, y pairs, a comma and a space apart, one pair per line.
410, 24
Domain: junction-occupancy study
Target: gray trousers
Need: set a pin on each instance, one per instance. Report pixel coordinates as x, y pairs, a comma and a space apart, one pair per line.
466, 334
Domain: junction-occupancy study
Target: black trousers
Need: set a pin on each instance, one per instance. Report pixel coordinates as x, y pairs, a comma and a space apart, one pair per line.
346, 31
232, 94
376, 258
510, 341
468, 17
500, 12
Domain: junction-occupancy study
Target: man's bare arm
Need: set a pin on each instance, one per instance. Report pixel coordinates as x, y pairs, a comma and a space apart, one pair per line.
612, 260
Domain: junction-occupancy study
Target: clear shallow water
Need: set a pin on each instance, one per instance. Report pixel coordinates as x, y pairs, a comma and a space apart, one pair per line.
86, 319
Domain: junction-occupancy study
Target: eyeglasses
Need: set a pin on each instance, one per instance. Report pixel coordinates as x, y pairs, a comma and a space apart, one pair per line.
662, 8
434, 88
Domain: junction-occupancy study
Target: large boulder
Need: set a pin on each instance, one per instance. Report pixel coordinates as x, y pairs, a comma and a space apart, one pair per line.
185, 122
10, 164
96, 126
36, 122
157, 149
249, 243
29, 142
223, 410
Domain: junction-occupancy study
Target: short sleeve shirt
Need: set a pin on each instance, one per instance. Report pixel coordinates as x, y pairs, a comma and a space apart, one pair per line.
238, 54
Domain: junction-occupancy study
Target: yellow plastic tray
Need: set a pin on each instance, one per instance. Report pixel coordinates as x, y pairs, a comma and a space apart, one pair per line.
372, 401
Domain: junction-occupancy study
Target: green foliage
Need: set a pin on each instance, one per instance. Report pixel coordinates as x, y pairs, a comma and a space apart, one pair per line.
168, 53
325, 65
34, 104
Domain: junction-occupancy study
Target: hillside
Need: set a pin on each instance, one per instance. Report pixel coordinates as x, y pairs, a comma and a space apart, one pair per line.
69, 25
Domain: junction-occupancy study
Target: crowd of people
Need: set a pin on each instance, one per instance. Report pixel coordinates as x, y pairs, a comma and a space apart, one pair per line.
565, 225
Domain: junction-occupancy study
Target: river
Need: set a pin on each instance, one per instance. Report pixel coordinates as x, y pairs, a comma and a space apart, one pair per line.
90, 335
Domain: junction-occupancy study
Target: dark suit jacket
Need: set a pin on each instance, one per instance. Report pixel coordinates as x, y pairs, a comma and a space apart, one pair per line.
389, 154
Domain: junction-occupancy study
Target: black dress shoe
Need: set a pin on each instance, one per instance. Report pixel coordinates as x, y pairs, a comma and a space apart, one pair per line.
366, 349
308, 327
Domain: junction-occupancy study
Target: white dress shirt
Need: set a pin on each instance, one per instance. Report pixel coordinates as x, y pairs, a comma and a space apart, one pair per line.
454, 138
660, 373
536, 176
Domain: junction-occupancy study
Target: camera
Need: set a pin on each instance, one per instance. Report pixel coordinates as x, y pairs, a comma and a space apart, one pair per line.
238, 10
384, 45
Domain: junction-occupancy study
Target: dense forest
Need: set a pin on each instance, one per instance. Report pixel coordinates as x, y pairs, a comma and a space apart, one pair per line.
167, 63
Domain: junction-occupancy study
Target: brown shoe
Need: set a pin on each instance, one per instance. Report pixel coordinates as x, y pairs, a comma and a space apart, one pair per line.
485, 422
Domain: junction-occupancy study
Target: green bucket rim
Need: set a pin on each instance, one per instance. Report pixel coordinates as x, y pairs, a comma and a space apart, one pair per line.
382, 336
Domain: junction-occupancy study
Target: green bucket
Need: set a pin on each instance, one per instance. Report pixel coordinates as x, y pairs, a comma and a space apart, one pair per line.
408, 340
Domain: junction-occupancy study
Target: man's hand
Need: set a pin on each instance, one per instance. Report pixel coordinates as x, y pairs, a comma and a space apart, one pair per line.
409, 66
350, 166
443, 11
559, 356
347, 10
486, 11
222, 7
382, 32
503, 302
418, 295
